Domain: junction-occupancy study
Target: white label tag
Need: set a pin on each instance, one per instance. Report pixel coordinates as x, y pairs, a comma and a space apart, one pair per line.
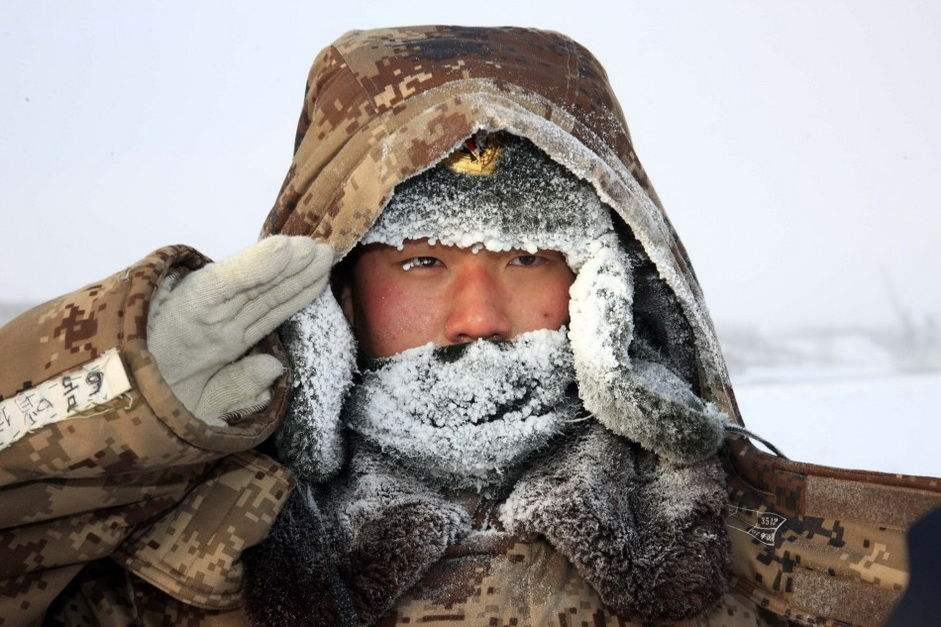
767, 528
62, 397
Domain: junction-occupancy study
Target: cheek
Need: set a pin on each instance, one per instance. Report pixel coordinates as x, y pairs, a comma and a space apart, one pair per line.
541, 305
393, 316
555, 305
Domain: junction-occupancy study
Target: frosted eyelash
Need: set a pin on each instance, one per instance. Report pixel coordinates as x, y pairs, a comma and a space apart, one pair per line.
414, 262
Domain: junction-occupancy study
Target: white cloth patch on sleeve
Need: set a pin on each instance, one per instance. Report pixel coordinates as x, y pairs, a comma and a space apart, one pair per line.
63, 396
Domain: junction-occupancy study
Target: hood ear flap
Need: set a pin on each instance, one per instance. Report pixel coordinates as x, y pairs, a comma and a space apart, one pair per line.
639, 397
661, 331
322, 350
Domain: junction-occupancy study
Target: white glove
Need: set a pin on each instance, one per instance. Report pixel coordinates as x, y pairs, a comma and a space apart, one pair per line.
199, 325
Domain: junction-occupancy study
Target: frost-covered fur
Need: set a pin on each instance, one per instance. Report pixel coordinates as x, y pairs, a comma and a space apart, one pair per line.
323, 354
422, 422
642, 400
381, 528
465, 414
648, 535
392, 526
530, 202
294, 576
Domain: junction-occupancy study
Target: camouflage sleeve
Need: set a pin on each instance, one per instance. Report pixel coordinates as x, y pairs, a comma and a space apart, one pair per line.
92, 441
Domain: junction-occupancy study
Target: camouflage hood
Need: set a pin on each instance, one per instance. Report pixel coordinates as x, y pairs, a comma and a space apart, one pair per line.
383, 105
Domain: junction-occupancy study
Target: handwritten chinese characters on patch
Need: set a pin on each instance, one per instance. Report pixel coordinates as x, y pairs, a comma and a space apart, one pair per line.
63, 397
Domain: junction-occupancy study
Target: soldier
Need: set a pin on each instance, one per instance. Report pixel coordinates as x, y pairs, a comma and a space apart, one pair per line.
478, 413
135, 461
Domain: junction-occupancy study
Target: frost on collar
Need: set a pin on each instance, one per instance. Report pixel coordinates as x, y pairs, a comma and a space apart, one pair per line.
530, 202
466, 414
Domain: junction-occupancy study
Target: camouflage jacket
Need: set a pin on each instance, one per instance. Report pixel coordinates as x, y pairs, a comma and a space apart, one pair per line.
121, 507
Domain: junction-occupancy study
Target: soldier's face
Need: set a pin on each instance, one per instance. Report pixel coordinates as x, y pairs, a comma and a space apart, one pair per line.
400, 299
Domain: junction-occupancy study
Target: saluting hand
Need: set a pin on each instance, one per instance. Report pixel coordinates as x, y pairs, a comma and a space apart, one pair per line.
200, 325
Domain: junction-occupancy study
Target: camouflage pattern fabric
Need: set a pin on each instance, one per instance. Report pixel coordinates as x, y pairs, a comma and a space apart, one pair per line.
115, 480
818, 545
499, 579
136, 513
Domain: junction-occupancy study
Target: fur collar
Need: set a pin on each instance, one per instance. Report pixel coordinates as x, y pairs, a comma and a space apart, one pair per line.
647, 534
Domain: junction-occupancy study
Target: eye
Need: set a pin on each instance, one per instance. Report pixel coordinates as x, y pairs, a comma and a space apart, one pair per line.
527, 260
419, 262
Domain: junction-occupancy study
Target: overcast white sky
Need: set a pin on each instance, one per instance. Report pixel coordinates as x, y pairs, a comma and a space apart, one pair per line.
796, 145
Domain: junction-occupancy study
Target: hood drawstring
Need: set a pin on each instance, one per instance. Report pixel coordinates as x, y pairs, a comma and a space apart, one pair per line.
741, 431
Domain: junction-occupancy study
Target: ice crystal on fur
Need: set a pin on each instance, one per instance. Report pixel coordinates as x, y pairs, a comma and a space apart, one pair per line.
529, 203
466, 413
640, 399
323, 353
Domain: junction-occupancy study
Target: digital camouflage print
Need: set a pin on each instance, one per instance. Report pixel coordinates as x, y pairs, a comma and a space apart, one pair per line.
137, 512
138, 479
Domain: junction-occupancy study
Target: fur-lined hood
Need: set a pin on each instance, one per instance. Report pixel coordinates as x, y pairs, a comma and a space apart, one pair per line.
383, 105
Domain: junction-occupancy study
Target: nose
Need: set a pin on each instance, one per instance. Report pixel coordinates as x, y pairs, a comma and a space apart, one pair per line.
476, 309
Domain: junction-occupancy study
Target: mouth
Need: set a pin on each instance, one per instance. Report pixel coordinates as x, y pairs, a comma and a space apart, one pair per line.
515, 405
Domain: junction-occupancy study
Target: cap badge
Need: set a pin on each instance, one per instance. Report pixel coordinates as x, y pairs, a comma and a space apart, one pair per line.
477, 156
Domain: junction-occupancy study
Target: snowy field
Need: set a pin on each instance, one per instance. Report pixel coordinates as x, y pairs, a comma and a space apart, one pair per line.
853, 397
889, 423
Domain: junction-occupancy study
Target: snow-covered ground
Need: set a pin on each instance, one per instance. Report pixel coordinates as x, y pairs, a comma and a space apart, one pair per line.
888, 422
864, 398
